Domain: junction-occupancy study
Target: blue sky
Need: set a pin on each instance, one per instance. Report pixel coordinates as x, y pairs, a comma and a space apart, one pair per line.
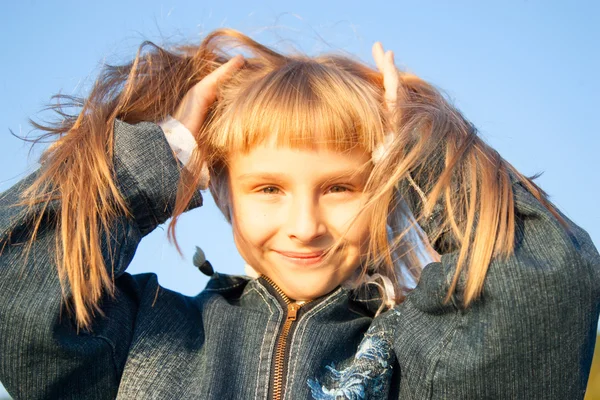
525, 72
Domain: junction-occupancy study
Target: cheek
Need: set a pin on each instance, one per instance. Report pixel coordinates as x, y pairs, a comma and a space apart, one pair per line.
348, 220
253, 226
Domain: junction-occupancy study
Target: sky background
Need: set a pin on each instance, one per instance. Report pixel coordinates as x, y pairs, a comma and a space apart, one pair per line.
525, 72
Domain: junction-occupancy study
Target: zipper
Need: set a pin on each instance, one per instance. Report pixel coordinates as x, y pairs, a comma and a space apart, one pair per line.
282, 347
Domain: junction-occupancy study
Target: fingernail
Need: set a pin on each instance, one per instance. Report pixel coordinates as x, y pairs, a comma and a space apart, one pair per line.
237, 59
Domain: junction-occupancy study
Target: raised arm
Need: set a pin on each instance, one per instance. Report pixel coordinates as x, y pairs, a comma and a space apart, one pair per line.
511, 311
45, 350
44, 355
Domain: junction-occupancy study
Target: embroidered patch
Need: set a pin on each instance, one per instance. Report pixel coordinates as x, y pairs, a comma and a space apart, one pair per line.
366, 377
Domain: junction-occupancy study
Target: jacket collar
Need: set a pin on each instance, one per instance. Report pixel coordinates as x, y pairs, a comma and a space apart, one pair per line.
365, 300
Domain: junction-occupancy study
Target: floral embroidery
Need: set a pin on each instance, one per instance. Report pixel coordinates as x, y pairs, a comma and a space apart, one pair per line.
367, 377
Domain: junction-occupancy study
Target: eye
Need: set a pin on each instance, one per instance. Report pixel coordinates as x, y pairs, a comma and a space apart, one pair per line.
269, 190
338, 189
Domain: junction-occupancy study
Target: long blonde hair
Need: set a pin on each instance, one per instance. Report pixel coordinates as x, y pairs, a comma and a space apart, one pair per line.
457, 187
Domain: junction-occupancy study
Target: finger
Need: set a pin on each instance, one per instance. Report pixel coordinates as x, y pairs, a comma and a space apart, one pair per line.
387, 67
223, 72
390, 79
378, 56
193, 108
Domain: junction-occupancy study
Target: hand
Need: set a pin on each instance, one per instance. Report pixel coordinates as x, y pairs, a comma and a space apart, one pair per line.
192, 110
387, 67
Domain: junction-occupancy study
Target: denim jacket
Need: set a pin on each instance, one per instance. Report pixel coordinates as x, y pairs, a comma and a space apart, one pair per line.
529, 336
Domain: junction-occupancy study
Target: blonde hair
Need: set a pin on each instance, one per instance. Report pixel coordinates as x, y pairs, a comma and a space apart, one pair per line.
456, 186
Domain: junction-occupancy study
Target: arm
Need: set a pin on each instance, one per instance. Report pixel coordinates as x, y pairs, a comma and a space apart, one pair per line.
43, 355
531, 333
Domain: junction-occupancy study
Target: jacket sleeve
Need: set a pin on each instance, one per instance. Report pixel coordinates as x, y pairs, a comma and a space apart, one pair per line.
42, 354
529, 336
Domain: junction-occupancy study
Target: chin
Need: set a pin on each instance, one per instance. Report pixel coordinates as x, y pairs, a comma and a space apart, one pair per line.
307, 287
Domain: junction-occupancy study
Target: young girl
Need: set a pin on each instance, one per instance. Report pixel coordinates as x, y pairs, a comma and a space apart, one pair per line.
324, 167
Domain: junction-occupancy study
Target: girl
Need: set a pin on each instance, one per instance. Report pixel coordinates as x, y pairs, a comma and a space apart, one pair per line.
323, 166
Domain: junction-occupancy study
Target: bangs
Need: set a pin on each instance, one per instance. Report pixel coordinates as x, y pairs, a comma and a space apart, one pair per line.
304, 104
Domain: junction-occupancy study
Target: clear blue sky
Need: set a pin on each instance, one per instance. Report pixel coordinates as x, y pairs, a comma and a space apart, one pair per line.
525, 72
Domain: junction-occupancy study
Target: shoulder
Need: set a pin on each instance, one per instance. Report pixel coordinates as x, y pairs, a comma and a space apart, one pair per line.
545, 247
229, 286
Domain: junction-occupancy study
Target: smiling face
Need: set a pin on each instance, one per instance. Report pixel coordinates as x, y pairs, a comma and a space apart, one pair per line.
289, 144
290, 206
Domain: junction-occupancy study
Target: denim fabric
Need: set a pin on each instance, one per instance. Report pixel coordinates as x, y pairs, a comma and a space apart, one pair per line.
531, 335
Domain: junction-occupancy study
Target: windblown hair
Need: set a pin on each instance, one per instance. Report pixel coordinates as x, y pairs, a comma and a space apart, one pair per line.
457, 188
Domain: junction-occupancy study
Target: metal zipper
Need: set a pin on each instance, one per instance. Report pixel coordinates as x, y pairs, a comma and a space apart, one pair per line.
282, 342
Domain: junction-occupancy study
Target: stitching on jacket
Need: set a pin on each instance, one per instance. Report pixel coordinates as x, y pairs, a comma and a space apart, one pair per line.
262, 296
262, 345
367, 301
224, 288
311, 313
315, 311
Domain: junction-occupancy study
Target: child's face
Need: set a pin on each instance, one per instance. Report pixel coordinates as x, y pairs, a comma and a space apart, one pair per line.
290, 205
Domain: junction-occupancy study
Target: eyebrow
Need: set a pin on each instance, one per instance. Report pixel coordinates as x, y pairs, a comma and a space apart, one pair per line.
266, 176
280, 178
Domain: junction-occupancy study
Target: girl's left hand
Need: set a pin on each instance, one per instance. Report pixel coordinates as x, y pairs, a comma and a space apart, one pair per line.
387, 67
385, 64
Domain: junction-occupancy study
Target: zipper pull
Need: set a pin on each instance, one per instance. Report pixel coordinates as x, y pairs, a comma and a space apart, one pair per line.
292, 311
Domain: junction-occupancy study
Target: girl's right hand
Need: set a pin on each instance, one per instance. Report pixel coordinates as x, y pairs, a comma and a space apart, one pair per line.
192, 110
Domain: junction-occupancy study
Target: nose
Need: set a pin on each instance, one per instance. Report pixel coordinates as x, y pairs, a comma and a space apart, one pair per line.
305, 223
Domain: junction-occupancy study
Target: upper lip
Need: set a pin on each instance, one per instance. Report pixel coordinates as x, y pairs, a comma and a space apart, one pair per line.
302, 254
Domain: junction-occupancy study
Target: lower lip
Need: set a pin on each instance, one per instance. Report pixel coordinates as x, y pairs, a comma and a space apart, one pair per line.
304, 261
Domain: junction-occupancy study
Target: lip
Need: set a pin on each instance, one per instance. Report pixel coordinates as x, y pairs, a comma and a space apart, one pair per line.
302, 258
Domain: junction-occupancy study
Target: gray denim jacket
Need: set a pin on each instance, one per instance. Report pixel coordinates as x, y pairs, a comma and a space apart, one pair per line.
530, 336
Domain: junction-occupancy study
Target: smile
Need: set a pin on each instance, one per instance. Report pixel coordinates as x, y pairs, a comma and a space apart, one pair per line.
301, 258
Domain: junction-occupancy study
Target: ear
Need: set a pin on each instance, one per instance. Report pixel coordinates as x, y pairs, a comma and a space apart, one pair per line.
222, 200
219, 189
